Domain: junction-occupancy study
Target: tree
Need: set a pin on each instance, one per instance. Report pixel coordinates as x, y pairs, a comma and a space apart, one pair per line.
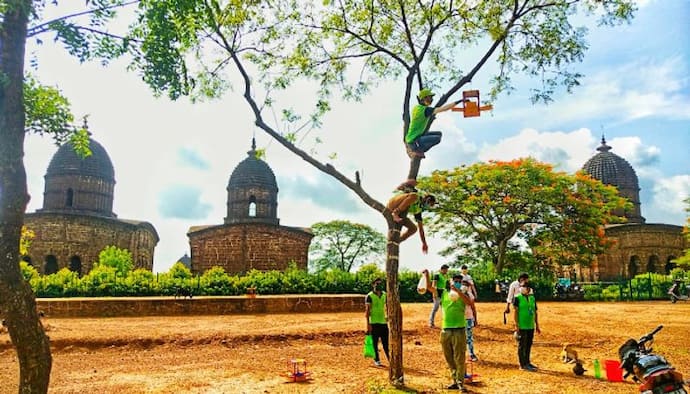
19, 20
342, 244
274, 49
684, 261
484, 208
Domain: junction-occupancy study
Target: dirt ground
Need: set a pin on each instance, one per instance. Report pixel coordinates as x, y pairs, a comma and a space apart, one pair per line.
250, 353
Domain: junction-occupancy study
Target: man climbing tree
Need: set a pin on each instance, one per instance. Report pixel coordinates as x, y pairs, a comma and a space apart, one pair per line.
418, 138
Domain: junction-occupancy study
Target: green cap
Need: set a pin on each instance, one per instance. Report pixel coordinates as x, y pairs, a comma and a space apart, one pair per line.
424, 93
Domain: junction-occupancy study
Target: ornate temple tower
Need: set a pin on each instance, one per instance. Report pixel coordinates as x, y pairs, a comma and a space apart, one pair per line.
638, 247
252, 192
77, 221
614, 170
250, 236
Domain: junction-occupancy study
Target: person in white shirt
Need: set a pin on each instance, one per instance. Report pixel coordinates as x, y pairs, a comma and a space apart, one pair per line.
466, 276
514, 289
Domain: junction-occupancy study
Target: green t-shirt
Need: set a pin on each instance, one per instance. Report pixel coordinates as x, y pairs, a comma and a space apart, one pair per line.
453, 311
441, 281
377, 311
418, 122
526, 310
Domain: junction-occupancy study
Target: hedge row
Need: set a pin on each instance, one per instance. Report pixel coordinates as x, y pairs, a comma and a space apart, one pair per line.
107, 281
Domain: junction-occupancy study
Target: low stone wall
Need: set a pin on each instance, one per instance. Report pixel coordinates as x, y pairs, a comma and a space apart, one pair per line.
169, 306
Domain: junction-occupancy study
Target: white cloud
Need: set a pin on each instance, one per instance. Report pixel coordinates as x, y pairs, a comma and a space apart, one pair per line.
669, 194
567, 150
642, 157
643, 88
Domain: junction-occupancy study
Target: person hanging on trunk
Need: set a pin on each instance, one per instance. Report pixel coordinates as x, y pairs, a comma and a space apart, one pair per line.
402, 203
418, 138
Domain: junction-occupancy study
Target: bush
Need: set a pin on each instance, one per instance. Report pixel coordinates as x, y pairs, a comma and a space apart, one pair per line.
120, 259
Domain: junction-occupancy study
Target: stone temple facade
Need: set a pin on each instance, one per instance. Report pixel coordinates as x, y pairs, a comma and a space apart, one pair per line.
638, 247
251, 236
77, 221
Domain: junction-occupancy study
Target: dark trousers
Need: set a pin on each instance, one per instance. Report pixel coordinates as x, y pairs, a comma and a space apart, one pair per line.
525, 346
380, 331
426, 141
422, 144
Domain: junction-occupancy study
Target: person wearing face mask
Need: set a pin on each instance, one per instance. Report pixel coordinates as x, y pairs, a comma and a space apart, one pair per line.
454, 300
526, 323
402, 203
514, 289
466, 276
376, 316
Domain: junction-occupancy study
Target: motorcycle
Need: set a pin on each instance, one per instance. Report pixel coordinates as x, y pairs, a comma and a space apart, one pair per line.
652, 371
565, 290
675, 292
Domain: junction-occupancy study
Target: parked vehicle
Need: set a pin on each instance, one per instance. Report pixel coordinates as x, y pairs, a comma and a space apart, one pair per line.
678, 292
564, 289
651, 370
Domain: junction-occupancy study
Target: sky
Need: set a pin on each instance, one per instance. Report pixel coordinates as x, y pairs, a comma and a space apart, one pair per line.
173, 160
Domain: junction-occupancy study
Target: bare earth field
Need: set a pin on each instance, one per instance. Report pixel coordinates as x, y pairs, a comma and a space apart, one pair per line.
249, 353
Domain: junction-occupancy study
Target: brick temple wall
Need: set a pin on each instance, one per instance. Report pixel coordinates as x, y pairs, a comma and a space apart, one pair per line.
239, 248
66, 236
652, 246
168, 306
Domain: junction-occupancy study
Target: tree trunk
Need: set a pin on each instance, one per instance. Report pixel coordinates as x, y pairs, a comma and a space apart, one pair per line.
501, 255
17, 302
395, 370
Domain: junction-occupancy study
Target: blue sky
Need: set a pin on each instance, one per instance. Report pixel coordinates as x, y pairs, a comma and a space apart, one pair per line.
173, 159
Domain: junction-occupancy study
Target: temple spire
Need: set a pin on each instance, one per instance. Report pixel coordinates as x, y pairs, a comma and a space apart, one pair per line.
252, 152
603, 147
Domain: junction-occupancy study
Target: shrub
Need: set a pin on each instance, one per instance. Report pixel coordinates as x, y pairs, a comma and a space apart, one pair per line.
120, 259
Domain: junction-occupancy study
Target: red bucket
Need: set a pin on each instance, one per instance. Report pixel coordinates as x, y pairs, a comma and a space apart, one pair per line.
613, 371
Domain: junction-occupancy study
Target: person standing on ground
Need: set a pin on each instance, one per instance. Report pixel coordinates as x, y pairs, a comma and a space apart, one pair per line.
470, 321
526, 323
454, 300
514, 289
377, 324
438, 282
466, 276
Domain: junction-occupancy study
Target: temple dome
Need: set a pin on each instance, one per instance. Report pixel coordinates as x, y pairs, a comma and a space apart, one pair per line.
611, 169
80, 185
252, 192
253, 172
67, 162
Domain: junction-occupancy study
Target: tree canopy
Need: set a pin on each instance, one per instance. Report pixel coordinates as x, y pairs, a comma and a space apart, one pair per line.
342, 245
487, 208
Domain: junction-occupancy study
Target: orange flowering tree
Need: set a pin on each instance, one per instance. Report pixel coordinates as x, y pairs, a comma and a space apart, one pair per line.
487, 208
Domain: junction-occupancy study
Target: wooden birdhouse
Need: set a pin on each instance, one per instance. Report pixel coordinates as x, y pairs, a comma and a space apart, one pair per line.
471, 104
